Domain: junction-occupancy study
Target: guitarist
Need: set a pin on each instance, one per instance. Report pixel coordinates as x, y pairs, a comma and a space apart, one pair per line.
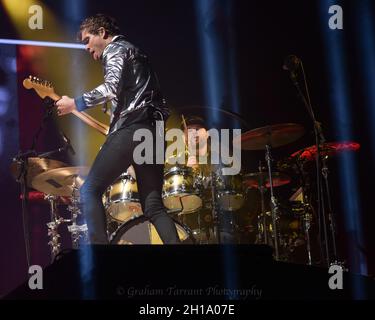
133, 89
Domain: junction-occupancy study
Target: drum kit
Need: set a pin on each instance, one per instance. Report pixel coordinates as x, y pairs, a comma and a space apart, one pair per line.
207, 206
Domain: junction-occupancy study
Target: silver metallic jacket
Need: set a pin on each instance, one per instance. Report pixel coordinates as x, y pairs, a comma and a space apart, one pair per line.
130, 85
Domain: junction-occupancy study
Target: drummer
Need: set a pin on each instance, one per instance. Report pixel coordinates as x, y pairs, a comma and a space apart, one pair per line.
197, 147
196, 141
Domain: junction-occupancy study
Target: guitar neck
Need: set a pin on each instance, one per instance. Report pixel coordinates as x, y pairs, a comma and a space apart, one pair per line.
101, 127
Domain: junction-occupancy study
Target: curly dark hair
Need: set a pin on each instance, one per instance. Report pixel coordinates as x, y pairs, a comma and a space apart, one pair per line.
100, 20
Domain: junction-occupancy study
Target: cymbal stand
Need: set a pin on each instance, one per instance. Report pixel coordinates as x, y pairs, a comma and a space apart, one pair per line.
262, 189
306, 226
53, 226
215, 214
307, 216
331, 216
274, 204
77, 231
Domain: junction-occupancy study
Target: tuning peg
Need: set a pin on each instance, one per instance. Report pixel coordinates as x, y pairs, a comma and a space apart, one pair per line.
30, 77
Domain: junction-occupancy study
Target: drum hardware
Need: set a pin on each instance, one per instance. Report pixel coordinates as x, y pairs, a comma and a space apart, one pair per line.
274, 203
326, 150
215, 212
306, 207
56, 183
307, 218
265, 138
260, 180
218, 211
77, 231
53, 225
262, 190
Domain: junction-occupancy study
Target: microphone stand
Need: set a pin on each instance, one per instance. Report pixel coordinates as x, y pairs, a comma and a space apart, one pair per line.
22, 159
321, 168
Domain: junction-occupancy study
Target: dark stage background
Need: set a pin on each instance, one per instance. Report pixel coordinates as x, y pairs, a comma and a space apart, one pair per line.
260, 34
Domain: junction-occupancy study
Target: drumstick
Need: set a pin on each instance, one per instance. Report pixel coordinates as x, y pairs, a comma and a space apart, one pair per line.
184, 122
187, 132
185, 128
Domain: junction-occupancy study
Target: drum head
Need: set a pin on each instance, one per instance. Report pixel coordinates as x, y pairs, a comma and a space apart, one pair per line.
141, 231
186, 202
123, 211
121, 199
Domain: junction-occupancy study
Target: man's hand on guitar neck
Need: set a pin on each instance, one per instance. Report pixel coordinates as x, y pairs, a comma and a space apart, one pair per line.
65, 105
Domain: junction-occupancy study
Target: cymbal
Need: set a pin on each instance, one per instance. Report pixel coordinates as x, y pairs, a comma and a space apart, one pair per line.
255, 179
273, 135
60, 181
327, 149
35, 167
205, 113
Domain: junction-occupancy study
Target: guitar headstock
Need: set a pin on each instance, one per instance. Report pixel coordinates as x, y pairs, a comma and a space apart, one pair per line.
42, 87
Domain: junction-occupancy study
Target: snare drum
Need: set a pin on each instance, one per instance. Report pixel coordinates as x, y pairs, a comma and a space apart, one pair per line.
181, 189
121, 199
229, 191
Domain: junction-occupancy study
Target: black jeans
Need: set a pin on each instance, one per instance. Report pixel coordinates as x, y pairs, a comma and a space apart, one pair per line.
115, 156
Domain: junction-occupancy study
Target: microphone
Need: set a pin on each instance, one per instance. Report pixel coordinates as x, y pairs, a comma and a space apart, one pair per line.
68, 146
291, 64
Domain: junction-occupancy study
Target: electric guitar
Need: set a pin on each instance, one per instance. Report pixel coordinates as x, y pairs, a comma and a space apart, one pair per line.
45, 89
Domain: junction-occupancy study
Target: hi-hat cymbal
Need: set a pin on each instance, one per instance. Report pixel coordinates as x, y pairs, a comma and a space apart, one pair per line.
60, 181
327, 149
273, 135
256, 179
35, 167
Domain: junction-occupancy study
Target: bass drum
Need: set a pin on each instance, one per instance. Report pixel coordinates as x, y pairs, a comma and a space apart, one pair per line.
141, 231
